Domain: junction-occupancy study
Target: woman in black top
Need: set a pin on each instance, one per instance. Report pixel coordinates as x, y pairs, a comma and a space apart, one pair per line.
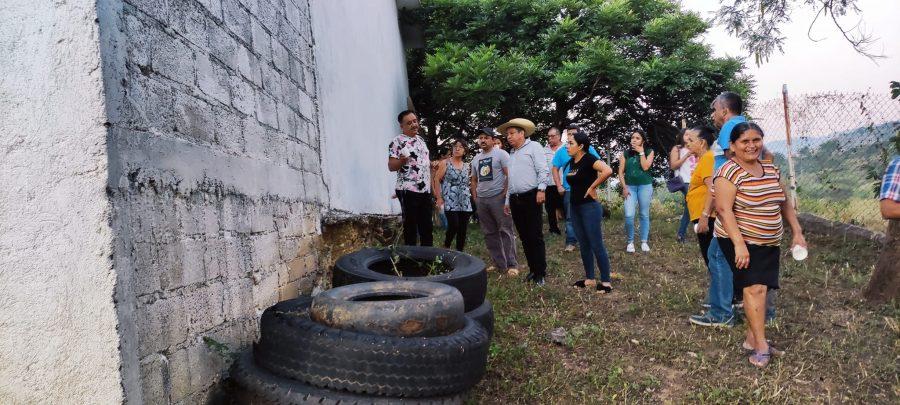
585, 175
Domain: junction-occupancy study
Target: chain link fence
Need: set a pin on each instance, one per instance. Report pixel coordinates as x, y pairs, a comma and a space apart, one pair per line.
833, 149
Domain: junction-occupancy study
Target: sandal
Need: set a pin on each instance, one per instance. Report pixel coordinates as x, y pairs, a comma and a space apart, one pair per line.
760, 360
775, 352
604, 289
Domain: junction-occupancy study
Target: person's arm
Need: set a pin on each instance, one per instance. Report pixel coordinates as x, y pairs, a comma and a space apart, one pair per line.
890, 209
436, 182
506, 192
708, 201
622, 176
725, 195
473, 183
543, 173
603, 173
789, 216
557, 179
675, 159
646, 160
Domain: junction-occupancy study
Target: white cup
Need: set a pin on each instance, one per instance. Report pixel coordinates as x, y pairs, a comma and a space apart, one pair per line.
799, 252
696, 226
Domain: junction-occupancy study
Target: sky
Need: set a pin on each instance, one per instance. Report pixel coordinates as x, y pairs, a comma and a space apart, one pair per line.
830, 64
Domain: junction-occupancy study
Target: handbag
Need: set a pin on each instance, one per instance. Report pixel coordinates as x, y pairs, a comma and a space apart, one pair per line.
674, 183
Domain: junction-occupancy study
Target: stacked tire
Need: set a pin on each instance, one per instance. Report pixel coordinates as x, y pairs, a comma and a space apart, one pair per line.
368, 343
467, 275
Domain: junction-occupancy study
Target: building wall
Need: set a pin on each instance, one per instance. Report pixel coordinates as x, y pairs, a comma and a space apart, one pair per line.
58, 340
363, 86
214, 179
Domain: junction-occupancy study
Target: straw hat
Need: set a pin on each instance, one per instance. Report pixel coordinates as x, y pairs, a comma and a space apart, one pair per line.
527, 125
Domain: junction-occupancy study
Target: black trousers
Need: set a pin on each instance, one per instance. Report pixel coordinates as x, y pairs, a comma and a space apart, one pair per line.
416, 209
705, 238
554, 202
526, 215
457, 224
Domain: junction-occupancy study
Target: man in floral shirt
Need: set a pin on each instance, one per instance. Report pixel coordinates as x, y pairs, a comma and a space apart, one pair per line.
408, 156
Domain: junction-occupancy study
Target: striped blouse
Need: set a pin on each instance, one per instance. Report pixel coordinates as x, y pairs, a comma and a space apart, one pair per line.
757, 204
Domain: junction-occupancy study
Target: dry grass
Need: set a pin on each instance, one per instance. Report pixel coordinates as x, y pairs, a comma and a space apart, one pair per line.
636, 345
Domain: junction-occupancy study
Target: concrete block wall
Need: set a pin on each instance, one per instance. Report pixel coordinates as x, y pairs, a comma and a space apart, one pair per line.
215, 179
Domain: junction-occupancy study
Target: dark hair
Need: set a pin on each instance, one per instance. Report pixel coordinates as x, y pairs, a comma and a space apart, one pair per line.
581, 138
573, 126
732, 101
706, 133
550, 129
679, 139
739, 130
404, 114
456, 140
631, 152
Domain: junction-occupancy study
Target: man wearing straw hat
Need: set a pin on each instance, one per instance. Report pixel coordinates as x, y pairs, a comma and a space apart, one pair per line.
528, 176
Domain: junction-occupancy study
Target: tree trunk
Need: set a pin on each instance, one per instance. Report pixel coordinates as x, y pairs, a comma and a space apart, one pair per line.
885, 282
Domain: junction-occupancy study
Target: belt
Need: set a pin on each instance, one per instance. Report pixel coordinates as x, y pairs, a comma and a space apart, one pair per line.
524, 194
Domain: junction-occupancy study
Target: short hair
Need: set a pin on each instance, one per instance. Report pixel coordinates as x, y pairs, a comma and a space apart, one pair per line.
551, 129
732, 101
404, 114
739, 130
706, 133
572, 126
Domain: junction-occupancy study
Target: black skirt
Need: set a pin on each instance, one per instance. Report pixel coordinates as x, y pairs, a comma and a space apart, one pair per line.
763, 269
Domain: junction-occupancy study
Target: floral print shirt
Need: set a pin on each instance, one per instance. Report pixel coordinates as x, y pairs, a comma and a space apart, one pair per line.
415, 175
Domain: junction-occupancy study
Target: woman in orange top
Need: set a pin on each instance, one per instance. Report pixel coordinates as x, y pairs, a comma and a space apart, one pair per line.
752, 207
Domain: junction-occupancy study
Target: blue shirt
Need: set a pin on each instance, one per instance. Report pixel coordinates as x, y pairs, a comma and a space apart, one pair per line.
561, 158
724, 139
890, 184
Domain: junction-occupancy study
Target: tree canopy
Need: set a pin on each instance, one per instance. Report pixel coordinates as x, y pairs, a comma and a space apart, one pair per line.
607, 65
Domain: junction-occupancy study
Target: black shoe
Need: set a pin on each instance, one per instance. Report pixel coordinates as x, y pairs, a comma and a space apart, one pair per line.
604, 289
529, 277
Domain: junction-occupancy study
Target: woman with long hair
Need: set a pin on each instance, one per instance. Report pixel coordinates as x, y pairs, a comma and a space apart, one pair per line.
637, 187
585, 174
451, 186
752, 207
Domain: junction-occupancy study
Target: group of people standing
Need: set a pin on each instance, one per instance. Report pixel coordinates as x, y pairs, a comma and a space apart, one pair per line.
733, 195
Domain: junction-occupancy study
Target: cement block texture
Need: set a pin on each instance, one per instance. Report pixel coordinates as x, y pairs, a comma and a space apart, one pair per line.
216, 192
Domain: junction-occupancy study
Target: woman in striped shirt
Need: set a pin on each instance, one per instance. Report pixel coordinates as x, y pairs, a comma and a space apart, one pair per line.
752, 207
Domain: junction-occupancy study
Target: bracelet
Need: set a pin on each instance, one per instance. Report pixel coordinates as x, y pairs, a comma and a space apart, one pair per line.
704, 214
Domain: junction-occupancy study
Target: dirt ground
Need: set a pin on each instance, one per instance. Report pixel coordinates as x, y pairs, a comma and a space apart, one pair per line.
636, 345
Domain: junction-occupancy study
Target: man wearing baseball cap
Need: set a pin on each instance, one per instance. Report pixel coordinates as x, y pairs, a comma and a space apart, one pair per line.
528, 175
490, 170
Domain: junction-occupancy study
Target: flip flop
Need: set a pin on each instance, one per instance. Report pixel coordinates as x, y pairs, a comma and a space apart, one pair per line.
760, 360
775, 352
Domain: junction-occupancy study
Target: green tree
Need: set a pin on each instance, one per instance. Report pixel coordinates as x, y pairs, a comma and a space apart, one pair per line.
608, 65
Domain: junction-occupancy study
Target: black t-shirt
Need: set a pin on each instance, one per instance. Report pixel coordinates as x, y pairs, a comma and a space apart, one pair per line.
580, 177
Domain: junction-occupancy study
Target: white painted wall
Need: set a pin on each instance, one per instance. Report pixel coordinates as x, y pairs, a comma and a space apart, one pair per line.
58, 340
363, 86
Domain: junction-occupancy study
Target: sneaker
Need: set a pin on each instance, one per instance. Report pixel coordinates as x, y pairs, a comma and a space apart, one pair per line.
538, 282
570, 248
512, 272
705, 305
645, 247
706, 320
680, 239
630, 248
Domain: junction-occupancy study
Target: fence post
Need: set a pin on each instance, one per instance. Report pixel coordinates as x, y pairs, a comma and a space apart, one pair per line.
790, 154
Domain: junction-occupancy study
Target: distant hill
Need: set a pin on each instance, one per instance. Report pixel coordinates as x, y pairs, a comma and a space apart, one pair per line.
861, 136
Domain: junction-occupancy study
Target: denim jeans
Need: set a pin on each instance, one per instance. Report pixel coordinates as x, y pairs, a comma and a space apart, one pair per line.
638, 196
587, 219
685, 217
571, 238
721, 283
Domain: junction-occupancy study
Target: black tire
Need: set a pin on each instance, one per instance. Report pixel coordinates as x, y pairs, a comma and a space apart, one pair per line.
252, 385
484, 314
301, 349
468, 275
391, 308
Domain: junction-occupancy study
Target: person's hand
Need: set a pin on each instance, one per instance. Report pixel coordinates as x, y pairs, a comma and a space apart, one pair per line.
560, 189
741, 256
540, 197
798, 240
625, 192
439, 202
403, 159
712, 192
591, 193
703, 225
506, 210
637, 148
